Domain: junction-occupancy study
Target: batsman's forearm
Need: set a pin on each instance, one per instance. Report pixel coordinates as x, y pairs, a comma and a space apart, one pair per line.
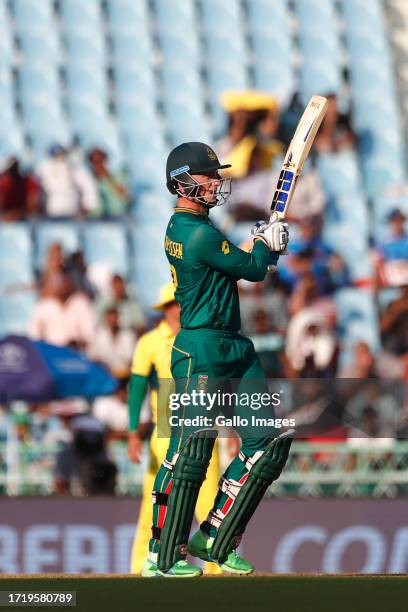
254, 265
238, 263
137, 393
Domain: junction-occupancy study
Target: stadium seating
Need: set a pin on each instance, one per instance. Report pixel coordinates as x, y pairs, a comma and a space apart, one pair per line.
375, 105
49, 232
15, 255
150, 268
226, 60
320, 72
105, 242
145, 155
6, 39
127, 16
16, 310
357, 317
31, 14
137, 76
77, 14
270, 38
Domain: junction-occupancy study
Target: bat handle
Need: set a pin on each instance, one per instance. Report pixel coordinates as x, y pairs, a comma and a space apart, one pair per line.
272, 266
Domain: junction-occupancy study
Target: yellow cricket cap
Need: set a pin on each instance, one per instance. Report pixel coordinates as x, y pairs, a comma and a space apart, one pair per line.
166, 296
250, 100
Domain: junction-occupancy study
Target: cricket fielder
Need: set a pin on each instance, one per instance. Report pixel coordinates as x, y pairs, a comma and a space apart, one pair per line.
150, 364
205, 268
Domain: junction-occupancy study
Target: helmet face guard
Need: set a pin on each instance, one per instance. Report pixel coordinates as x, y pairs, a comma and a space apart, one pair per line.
219, 188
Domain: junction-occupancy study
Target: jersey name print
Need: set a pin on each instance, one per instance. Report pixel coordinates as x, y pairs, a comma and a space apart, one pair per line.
175, 249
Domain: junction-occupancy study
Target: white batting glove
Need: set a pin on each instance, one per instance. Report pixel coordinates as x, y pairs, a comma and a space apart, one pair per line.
275, 235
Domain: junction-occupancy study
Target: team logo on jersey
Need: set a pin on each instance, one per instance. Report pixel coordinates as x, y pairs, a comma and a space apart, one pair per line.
225, 247
202, 382
211, 154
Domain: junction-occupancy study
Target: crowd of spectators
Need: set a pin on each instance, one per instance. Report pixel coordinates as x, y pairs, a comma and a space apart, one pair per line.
296, 309
63, 185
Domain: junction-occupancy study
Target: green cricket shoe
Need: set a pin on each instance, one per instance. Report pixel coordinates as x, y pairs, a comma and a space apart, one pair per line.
200, 546
181, 569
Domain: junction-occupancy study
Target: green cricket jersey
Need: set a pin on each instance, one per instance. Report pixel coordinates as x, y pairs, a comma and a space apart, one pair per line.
205, 267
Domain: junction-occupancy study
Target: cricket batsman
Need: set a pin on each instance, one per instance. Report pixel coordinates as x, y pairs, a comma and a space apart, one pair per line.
205, 268
150, 366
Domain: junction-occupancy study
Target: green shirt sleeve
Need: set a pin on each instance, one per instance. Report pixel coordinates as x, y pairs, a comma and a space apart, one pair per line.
137, 393
211, 247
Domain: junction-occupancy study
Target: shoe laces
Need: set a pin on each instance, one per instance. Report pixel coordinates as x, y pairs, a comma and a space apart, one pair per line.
234, 556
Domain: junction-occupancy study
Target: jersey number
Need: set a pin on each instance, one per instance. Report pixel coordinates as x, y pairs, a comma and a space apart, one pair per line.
174, 276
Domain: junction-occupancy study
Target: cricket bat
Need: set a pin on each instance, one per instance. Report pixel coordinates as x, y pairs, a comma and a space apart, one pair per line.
296, 155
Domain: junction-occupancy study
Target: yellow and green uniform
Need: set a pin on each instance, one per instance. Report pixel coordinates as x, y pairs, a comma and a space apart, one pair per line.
151, 364
209, 350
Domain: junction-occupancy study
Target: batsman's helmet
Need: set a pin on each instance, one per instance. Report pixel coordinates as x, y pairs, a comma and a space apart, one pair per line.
191, 158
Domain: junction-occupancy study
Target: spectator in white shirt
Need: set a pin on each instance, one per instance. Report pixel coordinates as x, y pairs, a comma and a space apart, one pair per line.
112, 411
62, 316
112, 345
68, 187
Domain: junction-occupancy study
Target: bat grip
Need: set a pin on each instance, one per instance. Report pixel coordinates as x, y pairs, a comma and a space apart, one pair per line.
273, 261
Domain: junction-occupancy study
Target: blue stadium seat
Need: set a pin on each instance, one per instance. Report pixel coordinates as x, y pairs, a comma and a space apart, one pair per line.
381, 172
127, 16
265, 15
15, 255
180, 53
87, 112
173, 20
337, 237
11, 136
156, 204
340, 172
41, 46
320, 73
145, 158
132, 50
135, 113
357, 316
82, 43
271, 76
76, 13
150, 266
359, 15
183, 106
6, 85
172, 13
35, 77
42, 113
82, 78
219, 19
31, 14
16, 310
186, 120
131, 80
49, 232
6, 40
106, 242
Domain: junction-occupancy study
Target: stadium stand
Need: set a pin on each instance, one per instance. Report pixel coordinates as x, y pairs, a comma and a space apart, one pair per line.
135, 78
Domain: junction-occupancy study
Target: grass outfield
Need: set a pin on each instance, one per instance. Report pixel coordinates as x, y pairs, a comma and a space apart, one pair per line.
294, 593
